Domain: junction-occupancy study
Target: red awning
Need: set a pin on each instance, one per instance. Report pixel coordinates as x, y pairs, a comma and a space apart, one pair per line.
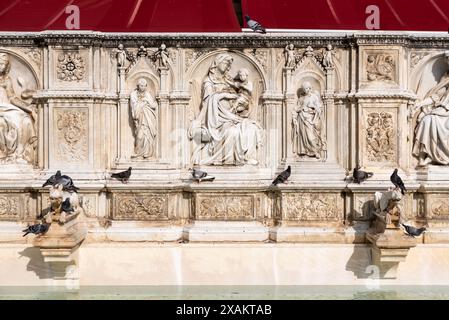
420, 15
219, 15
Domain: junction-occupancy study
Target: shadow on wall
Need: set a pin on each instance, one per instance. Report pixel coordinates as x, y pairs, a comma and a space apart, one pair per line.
360, 262
37, 264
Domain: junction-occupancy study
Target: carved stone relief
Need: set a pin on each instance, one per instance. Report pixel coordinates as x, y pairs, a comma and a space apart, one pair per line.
223, 131
311, 206
380, 136
18, 137
72, 134
140, 207
416, 57
440, 208
432, 131
363, 206
380, 67
227, 207
9, 207
192, 55
70, 66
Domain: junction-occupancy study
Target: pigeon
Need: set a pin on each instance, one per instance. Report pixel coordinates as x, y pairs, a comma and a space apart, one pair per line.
36, 229
66, 206
282, 177
201, 175
412, 231
397, 181
360, 176
65, 181
122, 176
254, 25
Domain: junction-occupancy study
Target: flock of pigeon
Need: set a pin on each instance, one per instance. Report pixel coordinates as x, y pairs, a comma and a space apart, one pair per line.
57, 179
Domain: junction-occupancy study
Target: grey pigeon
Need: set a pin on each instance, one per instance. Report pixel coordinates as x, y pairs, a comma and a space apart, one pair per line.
66, 206
360, 176
397, 181
122, 176
282, 177
254, 25
412, 231
36, 229
201, 175
65, 181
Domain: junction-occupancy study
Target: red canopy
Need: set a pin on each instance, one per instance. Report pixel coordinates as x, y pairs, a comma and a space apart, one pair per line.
219, 15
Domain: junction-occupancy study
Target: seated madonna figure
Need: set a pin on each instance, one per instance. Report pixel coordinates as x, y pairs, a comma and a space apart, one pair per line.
226, 137
431, 144
17, 120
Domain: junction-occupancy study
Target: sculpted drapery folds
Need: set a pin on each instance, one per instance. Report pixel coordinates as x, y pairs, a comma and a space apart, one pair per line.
17, 120
307, 124
143, 112
431, 143
227, 135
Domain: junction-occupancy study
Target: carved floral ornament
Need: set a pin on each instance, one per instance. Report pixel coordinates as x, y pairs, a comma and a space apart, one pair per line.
70, 67
380, 136
72, 135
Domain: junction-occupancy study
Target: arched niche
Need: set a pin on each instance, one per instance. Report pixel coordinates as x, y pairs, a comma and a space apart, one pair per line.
427, 74
199, 71
22, 73
142, 70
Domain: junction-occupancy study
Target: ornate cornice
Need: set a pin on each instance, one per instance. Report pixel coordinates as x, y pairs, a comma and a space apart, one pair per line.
226, 40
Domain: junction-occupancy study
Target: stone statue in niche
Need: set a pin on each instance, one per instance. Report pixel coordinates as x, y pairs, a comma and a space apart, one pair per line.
289, 54
431, 144
143, 112
380, 67
17, 119
225, 136
307, 124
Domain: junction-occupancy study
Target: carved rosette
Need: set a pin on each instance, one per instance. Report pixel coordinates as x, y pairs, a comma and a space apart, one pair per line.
380, 133
311, 207
9, 207
140, 207
227, 207
70, 67
72, 134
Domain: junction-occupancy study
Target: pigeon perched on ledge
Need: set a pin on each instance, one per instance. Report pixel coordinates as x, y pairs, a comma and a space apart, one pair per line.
412, 231
359, 176
59, 179
282, 177
254, 25
199, 175
36, 229
397, 181
122, 176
